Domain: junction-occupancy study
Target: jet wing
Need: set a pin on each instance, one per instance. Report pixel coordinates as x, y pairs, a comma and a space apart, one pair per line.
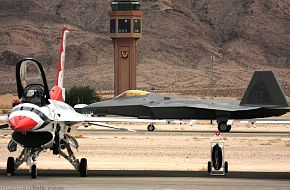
99, 121
217, 105
72, 116
68, 115
82, 118
111, 126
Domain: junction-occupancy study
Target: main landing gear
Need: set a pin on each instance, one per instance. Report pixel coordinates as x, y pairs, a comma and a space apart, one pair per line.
10, 166
63, 148
27, 155
65, 144
151, 127
223, 127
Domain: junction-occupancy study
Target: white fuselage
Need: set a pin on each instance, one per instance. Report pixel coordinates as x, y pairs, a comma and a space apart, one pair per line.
29, 118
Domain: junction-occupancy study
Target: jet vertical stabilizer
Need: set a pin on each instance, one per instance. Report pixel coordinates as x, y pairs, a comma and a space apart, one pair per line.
264, 90
58, 92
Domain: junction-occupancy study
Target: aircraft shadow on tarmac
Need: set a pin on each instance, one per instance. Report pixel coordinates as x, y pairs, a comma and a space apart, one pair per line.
155, 173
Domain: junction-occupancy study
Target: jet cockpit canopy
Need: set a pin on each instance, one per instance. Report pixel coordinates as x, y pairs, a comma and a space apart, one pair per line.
31, 82
132, 94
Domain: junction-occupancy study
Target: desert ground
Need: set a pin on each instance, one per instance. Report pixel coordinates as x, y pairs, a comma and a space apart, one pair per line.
263, 148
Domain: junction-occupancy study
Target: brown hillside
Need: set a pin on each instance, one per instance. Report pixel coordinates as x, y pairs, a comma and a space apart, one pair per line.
174, 52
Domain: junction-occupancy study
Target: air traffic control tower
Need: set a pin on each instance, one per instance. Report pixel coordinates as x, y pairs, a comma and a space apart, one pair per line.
125, 30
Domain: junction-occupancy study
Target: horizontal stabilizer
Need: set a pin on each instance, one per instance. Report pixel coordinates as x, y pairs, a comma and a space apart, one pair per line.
110, 126
264, 90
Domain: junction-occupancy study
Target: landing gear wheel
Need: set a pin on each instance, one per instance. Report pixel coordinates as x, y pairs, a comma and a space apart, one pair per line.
55, 149
223, 127
226, 167
229, 128
10, 166
83, 168
33, 171
209, 167
151, 127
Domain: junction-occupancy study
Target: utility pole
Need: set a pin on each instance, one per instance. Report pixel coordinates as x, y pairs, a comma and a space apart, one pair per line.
212, 59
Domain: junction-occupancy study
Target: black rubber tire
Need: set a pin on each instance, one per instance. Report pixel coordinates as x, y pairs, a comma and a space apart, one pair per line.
217, 157
55, 149
33, 171
209, 167
229, 127
226, 167
151, 127
10, 166
83, 168
224, 128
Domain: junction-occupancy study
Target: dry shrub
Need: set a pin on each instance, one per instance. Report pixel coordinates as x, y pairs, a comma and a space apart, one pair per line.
5, 111
288, 144
267, 143
79, 136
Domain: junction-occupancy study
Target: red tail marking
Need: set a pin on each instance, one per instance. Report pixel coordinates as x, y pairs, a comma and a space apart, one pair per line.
61, 56
56, 94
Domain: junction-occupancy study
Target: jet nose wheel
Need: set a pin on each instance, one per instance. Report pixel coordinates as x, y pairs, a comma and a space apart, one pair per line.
33, 171
223, 127
83, 168
10, 166
151, 127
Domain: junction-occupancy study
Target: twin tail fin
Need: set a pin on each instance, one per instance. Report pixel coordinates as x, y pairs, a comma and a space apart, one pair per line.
264, 90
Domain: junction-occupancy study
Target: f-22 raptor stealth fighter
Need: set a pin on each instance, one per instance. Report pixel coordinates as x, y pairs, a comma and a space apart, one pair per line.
264, 97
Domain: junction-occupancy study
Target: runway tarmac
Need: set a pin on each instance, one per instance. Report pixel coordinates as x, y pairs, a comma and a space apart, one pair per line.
145, 180
190, 133
165, 180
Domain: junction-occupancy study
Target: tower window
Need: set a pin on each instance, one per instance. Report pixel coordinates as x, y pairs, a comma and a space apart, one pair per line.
113, 26
137, 25
124, 25
125, 6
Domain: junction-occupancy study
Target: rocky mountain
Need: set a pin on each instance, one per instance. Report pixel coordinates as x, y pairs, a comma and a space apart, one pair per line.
174, 55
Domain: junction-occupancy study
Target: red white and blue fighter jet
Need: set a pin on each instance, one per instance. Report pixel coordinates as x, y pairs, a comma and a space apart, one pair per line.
41, 119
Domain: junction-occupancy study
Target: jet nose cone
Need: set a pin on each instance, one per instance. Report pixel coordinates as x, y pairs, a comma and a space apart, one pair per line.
22, 123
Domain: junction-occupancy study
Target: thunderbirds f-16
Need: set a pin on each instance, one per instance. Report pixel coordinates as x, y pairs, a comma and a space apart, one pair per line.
264, 97
41, 119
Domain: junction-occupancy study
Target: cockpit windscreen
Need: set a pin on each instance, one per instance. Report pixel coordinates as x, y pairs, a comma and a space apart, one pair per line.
31, 82
30, 74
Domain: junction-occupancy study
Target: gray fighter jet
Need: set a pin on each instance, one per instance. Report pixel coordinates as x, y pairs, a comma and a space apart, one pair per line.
264, 97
